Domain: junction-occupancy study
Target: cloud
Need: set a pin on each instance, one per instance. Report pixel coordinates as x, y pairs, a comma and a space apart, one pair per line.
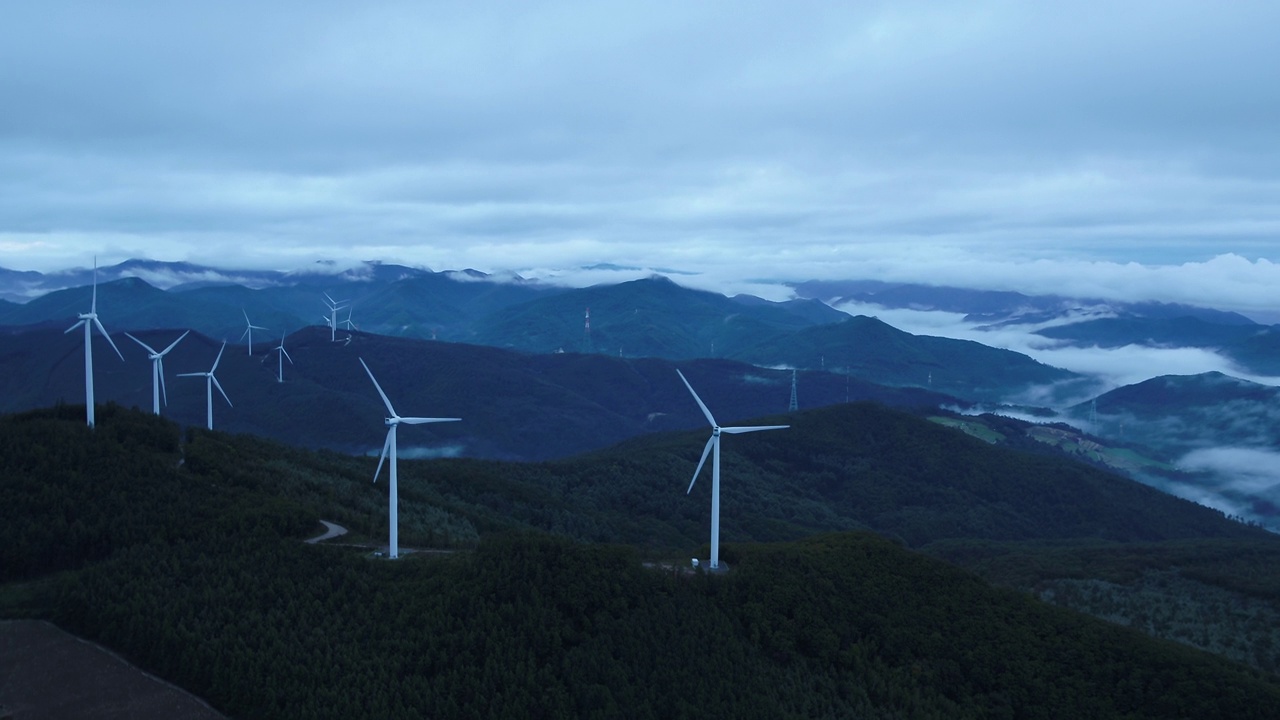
1112, 367
1240, 481
1083, 148
1247, 470
423, 452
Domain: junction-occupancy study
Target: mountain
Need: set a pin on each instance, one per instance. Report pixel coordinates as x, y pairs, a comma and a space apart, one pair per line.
1177, 413
184, 554
869, 348
652, 317
999, 307
1170, 332
388, 299
514, 405
1220, 432
1254, 348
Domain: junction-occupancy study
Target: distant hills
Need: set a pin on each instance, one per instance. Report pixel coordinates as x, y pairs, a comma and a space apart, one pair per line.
653, 317
992, 306
510, 348
1177, 413
514, 405
1078, 322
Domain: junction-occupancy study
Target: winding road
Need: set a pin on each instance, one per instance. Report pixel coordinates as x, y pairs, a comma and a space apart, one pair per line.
332, 530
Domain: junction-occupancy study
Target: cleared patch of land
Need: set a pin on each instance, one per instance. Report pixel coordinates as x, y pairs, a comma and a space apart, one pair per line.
48, 673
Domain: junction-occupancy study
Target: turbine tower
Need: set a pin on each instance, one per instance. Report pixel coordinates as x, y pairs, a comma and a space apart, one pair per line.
281, 354
210, 381
157, 370
90, 320
389, 447
713, 443
332, 317
248, 330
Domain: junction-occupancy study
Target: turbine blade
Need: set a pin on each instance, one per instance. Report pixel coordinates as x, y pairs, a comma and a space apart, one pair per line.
73, 327
286, 354
246, 332
705, 411
419, 421
753, 428
386, 445
103, 330
379, 387
219, 386
219, 358
148, 347
246, 317
164, 394
707, 450
172, 345
93, 307
191, 374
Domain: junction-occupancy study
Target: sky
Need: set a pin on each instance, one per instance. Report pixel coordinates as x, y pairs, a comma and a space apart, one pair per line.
1119, 150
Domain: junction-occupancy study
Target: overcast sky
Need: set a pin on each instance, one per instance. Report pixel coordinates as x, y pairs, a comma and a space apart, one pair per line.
1116, 149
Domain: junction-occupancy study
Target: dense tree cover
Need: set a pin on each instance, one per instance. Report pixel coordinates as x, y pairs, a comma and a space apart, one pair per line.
1220, 595
74, 495
864, 466
191, 564
529, 625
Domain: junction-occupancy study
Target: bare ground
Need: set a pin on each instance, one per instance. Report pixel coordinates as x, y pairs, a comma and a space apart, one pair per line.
48, 673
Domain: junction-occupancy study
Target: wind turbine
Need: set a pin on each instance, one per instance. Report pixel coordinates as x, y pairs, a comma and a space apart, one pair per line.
281, 355
157, 370
210, 381
89, 320
248, 330
348, 322
714, 444
389, 447
332, 318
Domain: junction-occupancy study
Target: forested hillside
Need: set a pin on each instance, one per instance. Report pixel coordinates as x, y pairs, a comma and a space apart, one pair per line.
184, 554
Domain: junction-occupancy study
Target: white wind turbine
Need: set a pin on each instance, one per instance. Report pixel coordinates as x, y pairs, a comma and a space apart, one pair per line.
389, 447
332, 318
210, 381
89, 320
157, 370
348, 322
248, 330
714, 444
281, 355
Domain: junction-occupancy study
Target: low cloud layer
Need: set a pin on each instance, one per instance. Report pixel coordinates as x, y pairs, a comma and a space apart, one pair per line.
1240, 481
1112, 367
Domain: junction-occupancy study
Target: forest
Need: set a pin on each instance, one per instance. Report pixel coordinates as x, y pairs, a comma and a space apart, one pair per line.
563, 588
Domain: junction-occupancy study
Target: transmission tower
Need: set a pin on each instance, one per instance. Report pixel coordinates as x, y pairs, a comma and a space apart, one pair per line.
794, 406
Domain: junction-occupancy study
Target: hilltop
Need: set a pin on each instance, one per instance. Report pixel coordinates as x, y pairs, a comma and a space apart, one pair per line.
184, 553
